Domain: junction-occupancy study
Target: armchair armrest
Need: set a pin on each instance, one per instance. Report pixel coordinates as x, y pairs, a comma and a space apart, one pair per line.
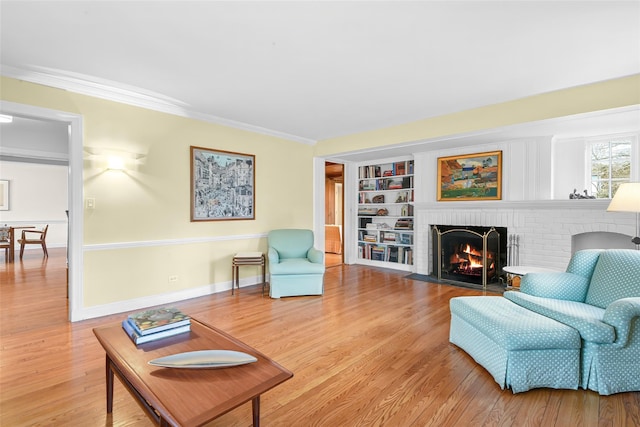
24, 232
620, 314
556, 285
274, 256
315, 256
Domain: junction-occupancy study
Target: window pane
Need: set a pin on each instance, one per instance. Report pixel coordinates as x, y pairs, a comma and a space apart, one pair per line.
614, 187
600, 169
610, 166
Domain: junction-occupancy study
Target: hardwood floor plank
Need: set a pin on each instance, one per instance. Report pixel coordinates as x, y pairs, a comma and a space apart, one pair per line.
373, 351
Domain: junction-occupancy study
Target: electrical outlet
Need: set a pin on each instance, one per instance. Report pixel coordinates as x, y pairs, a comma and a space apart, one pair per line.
90, 203
173, 279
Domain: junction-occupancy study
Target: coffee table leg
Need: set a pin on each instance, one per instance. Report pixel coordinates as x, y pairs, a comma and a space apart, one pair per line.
109, 372
255, 405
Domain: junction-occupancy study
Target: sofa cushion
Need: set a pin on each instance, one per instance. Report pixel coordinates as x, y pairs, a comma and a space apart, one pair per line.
617, 275
587, 319
584, 262
296, 266
291, 243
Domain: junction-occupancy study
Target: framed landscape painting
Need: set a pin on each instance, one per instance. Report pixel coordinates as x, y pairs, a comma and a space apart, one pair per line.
222, 185
470, 177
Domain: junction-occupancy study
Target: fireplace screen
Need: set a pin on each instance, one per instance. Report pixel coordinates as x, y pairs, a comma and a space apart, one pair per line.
468, 254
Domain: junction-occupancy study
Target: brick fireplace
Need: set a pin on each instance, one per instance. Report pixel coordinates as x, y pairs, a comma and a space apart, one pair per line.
542, 229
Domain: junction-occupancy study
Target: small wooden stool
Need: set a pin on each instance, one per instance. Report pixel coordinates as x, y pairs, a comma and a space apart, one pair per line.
246, 258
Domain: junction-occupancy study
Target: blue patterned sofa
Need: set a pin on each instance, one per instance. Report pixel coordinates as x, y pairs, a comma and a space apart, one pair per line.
527, 339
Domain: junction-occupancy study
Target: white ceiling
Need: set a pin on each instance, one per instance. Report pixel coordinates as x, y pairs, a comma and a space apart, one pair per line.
311, 70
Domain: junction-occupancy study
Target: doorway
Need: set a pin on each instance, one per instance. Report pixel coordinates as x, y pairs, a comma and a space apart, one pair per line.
74, 188
334, 214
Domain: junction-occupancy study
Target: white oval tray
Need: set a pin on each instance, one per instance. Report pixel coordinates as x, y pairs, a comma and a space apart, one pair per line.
204, 359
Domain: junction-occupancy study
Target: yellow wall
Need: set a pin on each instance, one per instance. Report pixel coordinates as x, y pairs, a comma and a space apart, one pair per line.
150, 202
605, 95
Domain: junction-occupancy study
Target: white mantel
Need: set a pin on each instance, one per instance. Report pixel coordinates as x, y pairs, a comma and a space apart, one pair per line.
581, 204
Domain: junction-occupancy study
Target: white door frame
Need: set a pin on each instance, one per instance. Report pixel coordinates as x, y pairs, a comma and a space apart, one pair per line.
75, 191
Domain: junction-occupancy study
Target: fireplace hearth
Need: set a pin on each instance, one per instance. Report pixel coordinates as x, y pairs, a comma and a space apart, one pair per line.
469, 254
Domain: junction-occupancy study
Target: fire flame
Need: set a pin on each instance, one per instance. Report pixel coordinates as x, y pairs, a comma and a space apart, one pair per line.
475, 257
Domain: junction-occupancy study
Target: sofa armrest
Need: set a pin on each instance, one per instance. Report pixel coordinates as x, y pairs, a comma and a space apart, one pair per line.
274, 256
315, 256
620, 314
556, 285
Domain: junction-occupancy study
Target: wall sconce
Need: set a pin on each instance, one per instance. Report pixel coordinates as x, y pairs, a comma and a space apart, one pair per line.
115, 163
627, 199
108, 159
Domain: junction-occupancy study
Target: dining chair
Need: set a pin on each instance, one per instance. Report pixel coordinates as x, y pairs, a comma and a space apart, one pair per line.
5, 242
30, 240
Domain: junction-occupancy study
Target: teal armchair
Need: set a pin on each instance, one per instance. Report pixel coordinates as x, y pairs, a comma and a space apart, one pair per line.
599, 296
578, 328
295, 266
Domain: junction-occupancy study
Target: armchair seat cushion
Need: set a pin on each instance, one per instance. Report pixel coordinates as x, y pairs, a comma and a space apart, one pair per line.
296, 266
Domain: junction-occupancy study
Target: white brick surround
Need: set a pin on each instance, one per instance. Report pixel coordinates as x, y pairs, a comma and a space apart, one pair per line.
544, 227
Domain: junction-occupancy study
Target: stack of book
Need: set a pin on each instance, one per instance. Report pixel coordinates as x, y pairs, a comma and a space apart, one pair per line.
154, 324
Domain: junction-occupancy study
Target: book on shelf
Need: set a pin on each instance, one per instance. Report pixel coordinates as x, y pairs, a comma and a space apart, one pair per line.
370, 238
367, 211
137, 338
394, 184
378, 253
404, 224
406, 239
157, 320
389, 237
393, 254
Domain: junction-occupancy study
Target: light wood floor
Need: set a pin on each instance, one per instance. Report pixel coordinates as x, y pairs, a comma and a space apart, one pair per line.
373, 351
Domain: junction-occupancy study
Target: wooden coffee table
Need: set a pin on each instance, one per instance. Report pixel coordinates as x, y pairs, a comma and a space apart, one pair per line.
187, 397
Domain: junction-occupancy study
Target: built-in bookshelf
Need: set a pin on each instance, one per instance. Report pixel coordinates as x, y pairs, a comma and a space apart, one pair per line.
385, 214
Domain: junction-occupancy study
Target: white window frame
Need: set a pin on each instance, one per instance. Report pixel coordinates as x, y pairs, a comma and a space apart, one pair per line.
634, 174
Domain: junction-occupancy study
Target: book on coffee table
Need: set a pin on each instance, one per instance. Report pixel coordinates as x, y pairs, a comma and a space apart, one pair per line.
157, 320
141, 339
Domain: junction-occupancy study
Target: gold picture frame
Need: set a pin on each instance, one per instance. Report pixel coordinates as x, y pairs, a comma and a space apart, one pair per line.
466, 177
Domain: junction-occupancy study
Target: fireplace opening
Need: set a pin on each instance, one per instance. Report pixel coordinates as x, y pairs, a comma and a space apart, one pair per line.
469, 254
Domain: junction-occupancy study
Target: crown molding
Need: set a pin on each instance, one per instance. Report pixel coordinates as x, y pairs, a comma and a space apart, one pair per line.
130, 95
31, 156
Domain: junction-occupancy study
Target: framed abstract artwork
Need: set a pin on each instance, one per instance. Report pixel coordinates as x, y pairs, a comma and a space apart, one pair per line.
470, 177
222, 185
